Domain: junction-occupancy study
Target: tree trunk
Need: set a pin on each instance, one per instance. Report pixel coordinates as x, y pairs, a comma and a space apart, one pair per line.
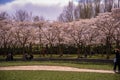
117, 44
51, 50
78, 52
60, 51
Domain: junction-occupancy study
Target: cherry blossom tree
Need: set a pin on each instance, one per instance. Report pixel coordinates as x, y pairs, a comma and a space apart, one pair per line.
49, 34
5, 34
76, 32
107, 26
116, 17
60, 36
39, 23
24, 35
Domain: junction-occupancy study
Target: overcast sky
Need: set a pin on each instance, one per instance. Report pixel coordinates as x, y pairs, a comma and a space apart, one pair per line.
50, 9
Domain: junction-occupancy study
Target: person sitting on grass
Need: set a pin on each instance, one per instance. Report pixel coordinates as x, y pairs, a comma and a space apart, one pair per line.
9, 57
30, 57
25, 57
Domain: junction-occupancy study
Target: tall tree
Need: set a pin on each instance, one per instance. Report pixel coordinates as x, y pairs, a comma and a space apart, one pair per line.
107, 26
108, 5
6, 31
116, 17
96, 7
22, 15
68, 13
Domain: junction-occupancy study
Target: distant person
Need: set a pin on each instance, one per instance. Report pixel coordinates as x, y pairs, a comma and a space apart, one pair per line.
9, 57
117, 60
25, 57
31, 57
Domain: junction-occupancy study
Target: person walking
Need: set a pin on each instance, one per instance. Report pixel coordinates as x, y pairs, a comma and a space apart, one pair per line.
117, 60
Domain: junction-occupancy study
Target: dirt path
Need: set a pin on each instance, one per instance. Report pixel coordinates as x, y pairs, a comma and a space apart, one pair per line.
53, 68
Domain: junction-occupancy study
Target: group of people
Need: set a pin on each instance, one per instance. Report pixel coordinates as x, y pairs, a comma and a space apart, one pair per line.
117, 60
26, 56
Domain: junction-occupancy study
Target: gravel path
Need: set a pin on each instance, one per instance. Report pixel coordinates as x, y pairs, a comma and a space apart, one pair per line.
53, 68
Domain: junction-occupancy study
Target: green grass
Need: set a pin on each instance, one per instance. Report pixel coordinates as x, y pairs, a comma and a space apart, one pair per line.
96, 56
100, 66
55, 75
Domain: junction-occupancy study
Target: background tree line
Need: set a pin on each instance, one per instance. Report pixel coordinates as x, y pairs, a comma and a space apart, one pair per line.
86, 9
23, 33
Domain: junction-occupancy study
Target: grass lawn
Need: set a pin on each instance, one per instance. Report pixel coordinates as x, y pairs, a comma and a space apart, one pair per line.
96, 56
100, 66
55, 75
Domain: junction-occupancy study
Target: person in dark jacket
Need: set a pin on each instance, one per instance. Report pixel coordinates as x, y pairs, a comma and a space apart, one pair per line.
117, 60
9, 57
31, 57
